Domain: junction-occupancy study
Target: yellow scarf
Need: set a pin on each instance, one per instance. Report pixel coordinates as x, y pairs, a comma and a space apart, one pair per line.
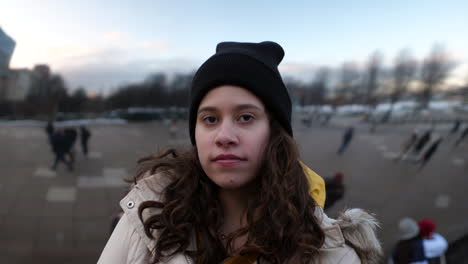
317, 185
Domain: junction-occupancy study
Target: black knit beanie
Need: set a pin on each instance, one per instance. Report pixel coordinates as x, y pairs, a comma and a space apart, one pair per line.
253, 66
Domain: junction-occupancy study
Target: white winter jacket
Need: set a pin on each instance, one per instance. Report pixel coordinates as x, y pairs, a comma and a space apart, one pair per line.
350, 239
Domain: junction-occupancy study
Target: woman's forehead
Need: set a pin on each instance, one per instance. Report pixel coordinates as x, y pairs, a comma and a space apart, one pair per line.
232, 96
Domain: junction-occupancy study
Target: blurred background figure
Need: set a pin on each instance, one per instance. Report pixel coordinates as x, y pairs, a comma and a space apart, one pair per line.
334, 189
423, 140
347, 137
430, 151
434, 244
173, 128
456, 126
462, 136
49, 130
409, 249
85, 134
407, 145
59, 147
70, 138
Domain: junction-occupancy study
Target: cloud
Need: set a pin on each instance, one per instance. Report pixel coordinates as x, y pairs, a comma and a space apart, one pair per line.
114, 36
105, 77
112, 59
301, 71
109, 48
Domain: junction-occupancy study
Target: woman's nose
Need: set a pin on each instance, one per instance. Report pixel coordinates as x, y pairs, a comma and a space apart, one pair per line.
226, 135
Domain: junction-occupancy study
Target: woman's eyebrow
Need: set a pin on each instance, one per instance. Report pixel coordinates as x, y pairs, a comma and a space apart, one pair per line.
248, 106
207, 109
239, 107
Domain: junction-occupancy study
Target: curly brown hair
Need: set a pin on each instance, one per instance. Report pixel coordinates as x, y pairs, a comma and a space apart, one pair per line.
281, 225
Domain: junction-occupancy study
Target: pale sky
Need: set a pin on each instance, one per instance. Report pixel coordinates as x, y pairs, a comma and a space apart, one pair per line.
101, 44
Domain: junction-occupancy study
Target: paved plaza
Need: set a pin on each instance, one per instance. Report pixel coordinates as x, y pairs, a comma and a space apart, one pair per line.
64, 217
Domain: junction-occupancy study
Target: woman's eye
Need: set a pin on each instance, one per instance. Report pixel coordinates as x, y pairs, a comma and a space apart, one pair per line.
246, 118
209, 120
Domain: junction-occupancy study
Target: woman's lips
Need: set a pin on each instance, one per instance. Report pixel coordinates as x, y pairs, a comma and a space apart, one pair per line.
228, 160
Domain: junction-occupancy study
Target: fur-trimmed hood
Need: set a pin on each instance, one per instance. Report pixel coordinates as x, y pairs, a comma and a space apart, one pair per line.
357, 229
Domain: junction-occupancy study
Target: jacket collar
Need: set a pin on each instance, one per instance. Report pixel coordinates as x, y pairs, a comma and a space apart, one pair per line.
333, 236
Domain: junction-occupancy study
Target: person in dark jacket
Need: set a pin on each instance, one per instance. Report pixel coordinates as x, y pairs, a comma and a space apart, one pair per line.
70, 135
84, 136
49, 128
462, 136
60, 146
456, 126
430, 151
334, 190
409, 249
423, 140
347, 137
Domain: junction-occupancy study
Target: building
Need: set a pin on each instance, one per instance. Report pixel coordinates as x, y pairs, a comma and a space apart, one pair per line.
7, 46
19, 83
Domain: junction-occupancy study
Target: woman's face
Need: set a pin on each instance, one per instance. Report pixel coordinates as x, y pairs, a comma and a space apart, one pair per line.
231, 133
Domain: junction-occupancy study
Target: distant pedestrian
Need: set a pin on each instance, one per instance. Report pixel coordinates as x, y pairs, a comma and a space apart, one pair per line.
462, 136
173, 129
407, 145
326, 119
409, 249
334, 189
434, 244
456, 126
84, 136
59, 147
70, 136
347, 137
423, 140
49, 130
430, 151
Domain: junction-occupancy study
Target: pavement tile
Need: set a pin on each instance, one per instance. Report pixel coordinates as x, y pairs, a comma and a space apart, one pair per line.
95, 155
55, 231
57, 209
458, 161
91, 230
25, 206
114, 172
7, 203
442, 201
17, 228
91, 203
61, 194
17, 257
45, 173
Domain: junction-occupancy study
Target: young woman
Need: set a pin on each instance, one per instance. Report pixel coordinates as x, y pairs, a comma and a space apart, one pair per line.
240, 194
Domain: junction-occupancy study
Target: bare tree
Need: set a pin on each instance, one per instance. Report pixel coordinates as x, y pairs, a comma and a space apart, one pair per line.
315, 94
403, 74
296, 90
465, 91
372, 78
46, 93
348, 84
435, 70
